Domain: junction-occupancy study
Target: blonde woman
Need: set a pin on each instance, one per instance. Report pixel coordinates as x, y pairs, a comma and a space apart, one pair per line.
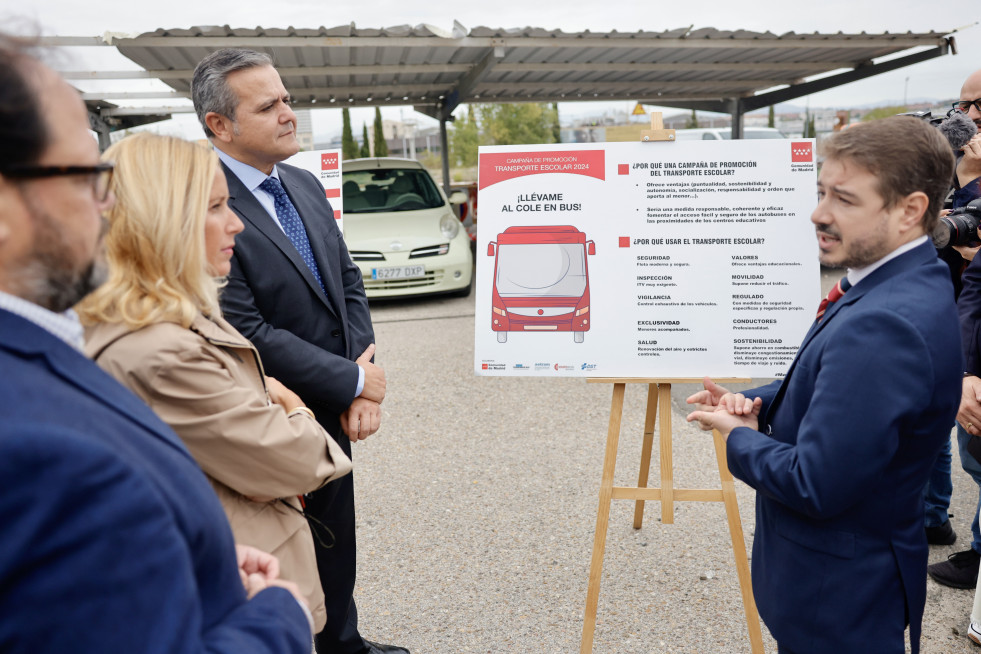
156, 327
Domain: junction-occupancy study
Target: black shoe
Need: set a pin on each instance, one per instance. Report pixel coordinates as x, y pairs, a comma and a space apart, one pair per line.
378, 648
941, 535
960, 570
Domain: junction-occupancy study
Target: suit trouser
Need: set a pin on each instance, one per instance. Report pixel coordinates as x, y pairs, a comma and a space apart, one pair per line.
972, 467
936, 495
333, 506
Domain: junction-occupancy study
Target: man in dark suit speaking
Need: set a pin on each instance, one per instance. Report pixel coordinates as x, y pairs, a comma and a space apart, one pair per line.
295, 293
840, 450
112, 540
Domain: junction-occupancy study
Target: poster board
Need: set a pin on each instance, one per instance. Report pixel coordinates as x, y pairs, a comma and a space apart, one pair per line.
668, 259
325, 165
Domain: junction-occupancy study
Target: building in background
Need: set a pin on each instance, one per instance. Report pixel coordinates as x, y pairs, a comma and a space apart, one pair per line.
304, 129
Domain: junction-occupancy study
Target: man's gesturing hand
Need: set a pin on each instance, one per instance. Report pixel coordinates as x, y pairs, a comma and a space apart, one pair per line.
710, 397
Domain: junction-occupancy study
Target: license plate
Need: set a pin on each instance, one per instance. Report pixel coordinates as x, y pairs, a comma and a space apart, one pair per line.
401, 272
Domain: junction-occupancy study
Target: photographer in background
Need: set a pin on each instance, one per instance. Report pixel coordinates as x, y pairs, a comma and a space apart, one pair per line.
968, 171
960, 570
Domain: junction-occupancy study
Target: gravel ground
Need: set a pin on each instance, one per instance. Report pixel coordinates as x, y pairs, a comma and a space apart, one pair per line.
477, 506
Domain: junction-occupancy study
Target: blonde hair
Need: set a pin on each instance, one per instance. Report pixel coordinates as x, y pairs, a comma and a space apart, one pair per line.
158, 269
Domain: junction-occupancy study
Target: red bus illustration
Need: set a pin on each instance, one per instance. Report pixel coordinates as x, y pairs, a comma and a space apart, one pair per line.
541, 281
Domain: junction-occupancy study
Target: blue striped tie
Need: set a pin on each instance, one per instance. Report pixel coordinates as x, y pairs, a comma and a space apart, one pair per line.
292, 225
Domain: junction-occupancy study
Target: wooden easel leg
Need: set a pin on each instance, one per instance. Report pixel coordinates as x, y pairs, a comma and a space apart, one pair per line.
667, 464
602, 519
645, 453
738, 546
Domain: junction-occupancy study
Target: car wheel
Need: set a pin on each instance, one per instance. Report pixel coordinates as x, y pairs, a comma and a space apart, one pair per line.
502, 337
579, 337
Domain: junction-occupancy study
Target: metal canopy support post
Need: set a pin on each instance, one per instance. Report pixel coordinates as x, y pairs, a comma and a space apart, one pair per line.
444, 154
463, 89
736, 109
98, 125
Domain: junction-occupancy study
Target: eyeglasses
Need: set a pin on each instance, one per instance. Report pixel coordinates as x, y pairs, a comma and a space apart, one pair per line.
100, 174
964, 106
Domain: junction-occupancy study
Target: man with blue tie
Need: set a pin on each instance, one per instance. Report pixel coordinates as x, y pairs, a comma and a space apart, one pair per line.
295, 293
112, 540
839, 450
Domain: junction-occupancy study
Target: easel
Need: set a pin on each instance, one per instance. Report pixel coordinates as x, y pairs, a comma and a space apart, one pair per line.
659, 397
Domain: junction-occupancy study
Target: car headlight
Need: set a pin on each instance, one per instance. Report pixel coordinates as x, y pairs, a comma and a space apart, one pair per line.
450, 226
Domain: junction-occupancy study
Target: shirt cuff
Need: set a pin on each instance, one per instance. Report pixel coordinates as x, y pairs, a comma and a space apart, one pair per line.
306, 612
360, 382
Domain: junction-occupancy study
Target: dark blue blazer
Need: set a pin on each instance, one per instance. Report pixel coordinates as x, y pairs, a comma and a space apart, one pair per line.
111, 538
307, 340
846, 444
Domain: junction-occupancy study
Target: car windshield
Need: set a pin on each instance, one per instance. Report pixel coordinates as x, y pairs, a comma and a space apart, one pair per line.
541, 270
389, 189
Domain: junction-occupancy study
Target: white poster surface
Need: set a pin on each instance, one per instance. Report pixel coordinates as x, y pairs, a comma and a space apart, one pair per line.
658, 259
325, 166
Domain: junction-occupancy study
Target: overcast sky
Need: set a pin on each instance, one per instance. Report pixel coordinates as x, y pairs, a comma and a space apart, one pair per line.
938, 78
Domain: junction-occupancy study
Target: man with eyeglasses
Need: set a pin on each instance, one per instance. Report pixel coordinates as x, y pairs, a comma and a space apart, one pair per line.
112, 538
968, 174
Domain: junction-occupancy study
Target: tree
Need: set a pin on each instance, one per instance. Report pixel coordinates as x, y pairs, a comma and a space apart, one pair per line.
809, 131
692, 122
381, 147
365, 144
556, 128
883, 112
514, 124
464, 139
771, 118
349, 149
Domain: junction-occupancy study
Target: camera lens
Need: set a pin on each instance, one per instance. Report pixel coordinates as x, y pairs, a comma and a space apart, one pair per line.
959, 227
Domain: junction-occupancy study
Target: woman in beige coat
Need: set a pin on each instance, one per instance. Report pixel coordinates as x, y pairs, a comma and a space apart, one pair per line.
156, 327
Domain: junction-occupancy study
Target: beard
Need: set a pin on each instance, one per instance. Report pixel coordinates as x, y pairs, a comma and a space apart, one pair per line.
48, 275
858, 253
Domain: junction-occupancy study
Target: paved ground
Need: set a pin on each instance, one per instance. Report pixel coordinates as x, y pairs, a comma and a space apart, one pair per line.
477, 507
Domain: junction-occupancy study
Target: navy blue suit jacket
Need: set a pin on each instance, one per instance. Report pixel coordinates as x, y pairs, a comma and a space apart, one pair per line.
848, 440
112, 540
307, 340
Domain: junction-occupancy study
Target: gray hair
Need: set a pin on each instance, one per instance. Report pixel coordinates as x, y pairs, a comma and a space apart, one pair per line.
209, 85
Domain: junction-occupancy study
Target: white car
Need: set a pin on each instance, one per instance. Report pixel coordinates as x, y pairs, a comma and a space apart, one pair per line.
401, 230
725, 133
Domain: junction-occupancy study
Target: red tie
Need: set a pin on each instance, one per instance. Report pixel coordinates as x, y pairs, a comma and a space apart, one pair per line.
833, 296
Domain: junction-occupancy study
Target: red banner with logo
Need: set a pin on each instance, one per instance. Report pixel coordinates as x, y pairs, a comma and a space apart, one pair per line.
498, 167
328, 161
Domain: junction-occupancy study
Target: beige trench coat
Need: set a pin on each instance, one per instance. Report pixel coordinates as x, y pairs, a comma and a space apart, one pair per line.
207, 383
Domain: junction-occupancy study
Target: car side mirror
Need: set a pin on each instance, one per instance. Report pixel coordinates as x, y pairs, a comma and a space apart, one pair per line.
458, 197
591, 247
490, 249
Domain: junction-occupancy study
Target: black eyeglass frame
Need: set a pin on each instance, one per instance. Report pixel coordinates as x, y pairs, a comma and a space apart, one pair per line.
101, 174
958, 106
